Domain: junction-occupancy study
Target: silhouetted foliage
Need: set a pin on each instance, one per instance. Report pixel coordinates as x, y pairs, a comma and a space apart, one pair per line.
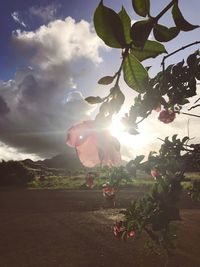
14, 173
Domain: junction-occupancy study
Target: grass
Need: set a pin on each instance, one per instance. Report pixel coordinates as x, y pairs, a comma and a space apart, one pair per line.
58, 182
191, 176
78, 182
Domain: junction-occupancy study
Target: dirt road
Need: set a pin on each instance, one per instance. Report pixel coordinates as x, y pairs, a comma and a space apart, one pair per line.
44, 228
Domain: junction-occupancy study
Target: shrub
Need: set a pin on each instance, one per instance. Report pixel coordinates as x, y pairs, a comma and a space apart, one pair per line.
14, 173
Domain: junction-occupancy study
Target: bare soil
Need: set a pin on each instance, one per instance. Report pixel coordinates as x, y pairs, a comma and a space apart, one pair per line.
44, 228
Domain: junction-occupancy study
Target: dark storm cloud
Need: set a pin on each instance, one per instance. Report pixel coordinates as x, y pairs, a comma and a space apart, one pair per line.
4, 109
40, 113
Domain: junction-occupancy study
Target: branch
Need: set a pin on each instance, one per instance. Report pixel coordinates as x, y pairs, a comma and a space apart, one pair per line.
143, 118
176, 51
125, 53
118, 73
189, 114
196, 100
194, 107
165, 10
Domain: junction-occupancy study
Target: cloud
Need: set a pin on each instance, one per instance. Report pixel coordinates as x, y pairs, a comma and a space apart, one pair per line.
15, 15
45, 13
37, 117
60, 41
8, 153
4, 109
41, 102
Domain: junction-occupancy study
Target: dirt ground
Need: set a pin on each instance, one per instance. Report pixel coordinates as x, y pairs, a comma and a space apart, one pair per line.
44, 228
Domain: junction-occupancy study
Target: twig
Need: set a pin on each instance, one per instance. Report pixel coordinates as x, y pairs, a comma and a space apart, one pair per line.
165, 10
189, 114
144, 117
160, 139
188, 131
196, 100
118, 73
176, 51
195, 106
188, 128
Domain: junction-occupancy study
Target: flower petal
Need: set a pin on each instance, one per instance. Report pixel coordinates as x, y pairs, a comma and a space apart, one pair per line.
88, 151
79, 132
94, 146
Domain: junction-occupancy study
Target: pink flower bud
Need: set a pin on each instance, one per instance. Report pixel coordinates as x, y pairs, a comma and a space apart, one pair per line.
154, 173
131, 234
166, 116
118, 229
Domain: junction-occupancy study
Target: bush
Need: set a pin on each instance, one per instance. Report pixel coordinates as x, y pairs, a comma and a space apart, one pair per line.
14, 173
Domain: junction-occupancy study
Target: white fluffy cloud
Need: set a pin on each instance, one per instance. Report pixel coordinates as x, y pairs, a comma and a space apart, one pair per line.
61, 41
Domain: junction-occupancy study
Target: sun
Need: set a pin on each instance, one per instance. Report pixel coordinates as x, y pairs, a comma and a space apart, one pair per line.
132, 142
117, 128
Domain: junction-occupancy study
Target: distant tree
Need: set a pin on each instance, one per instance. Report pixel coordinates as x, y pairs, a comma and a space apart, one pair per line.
14, 173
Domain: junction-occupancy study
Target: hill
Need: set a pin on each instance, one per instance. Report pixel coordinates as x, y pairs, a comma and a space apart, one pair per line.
67, 161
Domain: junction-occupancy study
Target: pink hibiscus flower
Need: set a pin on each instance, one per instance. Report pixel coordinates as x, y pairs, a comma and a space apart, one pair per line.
94, 145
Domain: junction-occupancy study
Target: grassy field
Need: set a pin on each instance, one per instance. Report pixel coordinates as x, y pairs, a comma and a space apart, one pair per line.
78, 182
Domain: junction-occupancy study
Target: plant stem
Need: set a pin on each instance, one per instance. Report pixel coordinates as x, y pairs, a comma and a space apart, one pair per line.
152, 235
189, 114
118, 73
165, 10
144, 117
176, 51
195, 106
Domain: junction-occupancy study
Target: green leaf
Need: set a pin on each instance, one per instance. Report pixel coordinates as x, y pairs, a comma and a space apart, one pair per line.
192, 59
180, 21
164, 34
135, 75
174, 137
186, 138
93, 99
106, 80
151, 50
140, 31
109, 27
185, 101
141, 7
126, 22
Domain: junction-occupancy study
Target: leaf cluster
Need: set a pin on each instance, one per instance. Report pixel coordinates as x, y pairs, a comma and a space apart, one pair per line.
169, 89
156, 212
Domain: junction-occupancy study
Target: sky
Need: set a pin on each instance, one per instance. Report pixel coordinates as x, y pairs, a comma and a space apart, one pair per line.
51, 59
